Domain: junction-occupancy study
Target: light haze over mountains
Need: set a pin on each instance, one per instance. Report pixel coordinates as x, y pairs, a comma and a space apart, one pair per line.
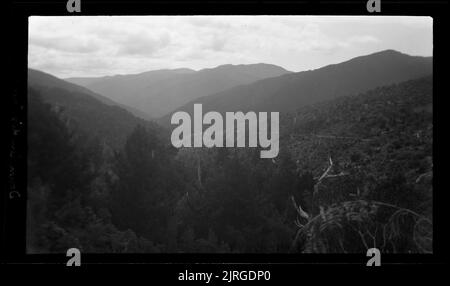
110, 105
158, 92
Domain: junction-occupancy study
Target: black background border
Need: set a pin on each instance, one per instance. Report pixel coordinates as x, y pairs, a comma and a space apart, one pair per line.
14, 191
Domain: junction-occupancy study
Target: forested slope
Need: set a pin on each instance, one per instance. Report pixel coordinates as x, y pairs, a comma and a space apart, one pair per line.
352, 172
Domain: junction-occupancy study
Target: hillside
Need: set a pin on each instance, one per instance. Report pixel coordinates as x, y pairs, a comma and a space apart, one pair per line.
161, 91
388, 130
40, 79
291, 91
85, 110
360, 167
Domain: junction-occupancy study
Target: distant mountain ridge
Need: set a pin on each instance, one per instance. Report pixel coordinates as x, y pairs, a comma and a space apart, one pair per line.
160, 91
109, 120
83, 81
291, 91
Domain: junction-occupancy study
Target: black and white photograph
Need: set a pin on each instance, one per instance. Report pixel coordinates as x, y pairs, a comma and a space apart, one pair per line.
230, 134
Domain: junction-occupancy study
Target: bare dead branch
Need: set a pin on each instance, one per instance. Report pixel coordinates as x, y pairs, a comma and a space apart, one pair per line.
299, 209
326, 175
427, 174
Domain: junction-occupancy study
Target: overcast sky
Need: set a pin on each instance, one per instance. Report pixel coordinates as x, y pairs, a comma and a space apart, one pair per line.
108, 45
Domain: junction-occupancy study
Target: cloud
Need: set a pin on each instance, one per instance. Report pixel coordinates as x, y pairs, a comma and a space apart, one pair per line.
142, 45
365, 39
106, 45
66, 43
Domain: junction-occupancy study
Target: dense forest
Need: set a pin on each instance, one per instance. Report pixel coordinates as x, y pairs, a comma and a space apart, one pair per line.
354, 172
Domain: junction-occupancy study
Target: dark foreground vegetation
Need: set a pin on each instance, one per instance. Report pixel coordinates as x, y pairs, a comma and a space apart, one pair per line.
352, 173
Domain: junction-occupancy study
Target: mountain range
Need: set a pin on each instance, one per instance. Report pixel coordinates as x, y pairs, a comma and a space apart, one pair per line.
288, 92
158, 92
102, 115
